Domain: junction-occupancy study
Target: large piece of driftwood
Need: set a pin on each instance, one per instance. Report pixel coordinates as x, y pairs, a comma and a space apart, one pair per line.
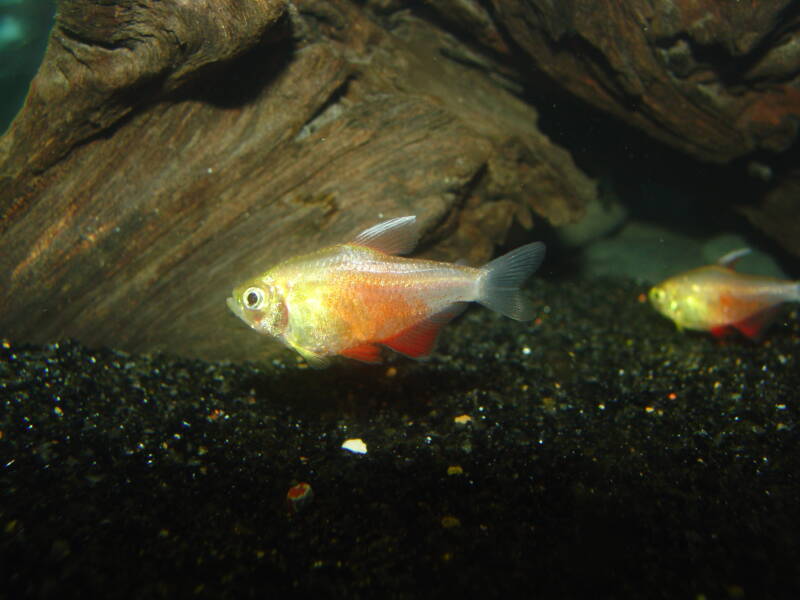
717, 80
168, 150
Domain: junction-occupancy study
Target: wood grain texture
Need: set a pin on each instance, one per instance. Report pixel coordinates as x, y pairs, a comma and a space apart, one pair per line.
717, 80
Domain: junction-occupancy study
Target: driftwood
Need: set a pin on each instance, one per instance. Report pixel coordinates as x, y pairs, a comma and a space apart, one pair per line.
168, 150
717, 80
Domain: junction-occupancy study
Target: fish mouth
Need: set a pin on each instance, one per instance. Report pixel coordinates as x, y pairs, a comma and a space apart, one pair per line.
251, 318
237, 309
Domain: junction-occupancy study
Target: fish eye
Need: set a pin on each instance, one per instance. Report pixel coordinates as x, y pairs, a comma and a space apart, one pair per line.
253, 298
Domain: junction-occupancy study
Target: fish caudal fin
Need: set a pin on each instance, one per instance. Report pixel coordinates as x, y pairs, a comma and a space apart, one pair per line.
502, 278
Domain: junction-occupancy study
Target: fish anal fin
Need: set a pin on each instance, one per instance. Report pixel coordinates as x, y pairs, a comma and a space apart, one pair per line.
756, 324
720, 331
419, 340
368, 353
395, 236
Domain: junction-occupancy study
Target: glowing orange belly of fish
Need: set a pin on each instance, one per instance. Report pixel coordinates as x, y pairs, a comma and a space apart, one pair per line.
348, 298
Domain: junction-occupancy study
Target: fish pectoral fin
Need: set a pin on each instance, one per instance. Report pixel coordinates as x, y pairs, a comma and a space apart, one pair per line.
755, 325
314, 359
730, 259
419, 340
395, 236
368, 353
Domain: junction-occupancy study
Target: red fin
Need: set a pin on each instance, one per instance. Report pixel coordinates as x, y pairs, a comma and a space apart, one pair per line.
720, 331
418, 340
368, 353
755, 325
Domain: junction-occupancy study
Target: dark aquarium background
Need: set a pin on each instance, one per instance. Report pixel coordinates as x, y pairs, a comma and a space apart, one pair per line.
153, 447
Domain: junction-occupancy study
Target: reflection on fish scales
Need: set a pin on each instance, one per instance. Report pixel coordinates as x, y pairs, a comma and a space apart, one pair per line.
716, 298
349, 299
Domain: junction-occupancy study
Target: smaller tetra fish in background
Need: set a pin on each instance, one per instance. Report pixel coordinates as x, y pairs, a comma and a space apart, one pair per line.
716, 298
352, 298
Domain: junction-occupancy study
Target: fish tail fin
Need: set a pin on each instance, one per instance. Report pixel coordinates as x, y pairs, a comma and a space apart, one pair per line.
499, 287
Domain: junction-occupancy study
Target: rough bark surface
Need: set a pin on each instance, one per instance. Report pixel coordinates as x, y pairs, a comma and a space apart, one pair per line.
717, 80
168, 150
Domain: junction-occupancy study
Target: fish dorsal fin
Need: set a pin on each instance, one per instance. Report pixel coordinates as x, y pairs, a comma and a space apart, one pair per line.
368, 353
395, 236
730, 259
419, 340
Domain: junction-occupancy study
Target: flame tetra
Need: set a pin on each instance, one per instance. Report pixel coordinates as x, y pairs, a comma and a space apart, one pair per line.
350, 298
715, 298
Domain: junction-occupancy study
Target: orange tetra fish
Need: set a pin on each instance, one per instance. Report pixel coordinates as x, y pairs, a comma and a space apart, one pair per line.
716, 298
352, 298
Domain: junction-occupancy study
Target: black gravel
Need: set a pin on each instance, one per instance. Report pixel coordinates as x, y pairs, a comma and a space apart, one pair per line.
608, 455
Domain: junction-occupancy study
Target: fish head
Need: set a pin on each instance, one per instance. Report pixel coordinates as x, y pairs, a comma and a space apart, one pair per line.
260, 304
664, 297
685, 302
